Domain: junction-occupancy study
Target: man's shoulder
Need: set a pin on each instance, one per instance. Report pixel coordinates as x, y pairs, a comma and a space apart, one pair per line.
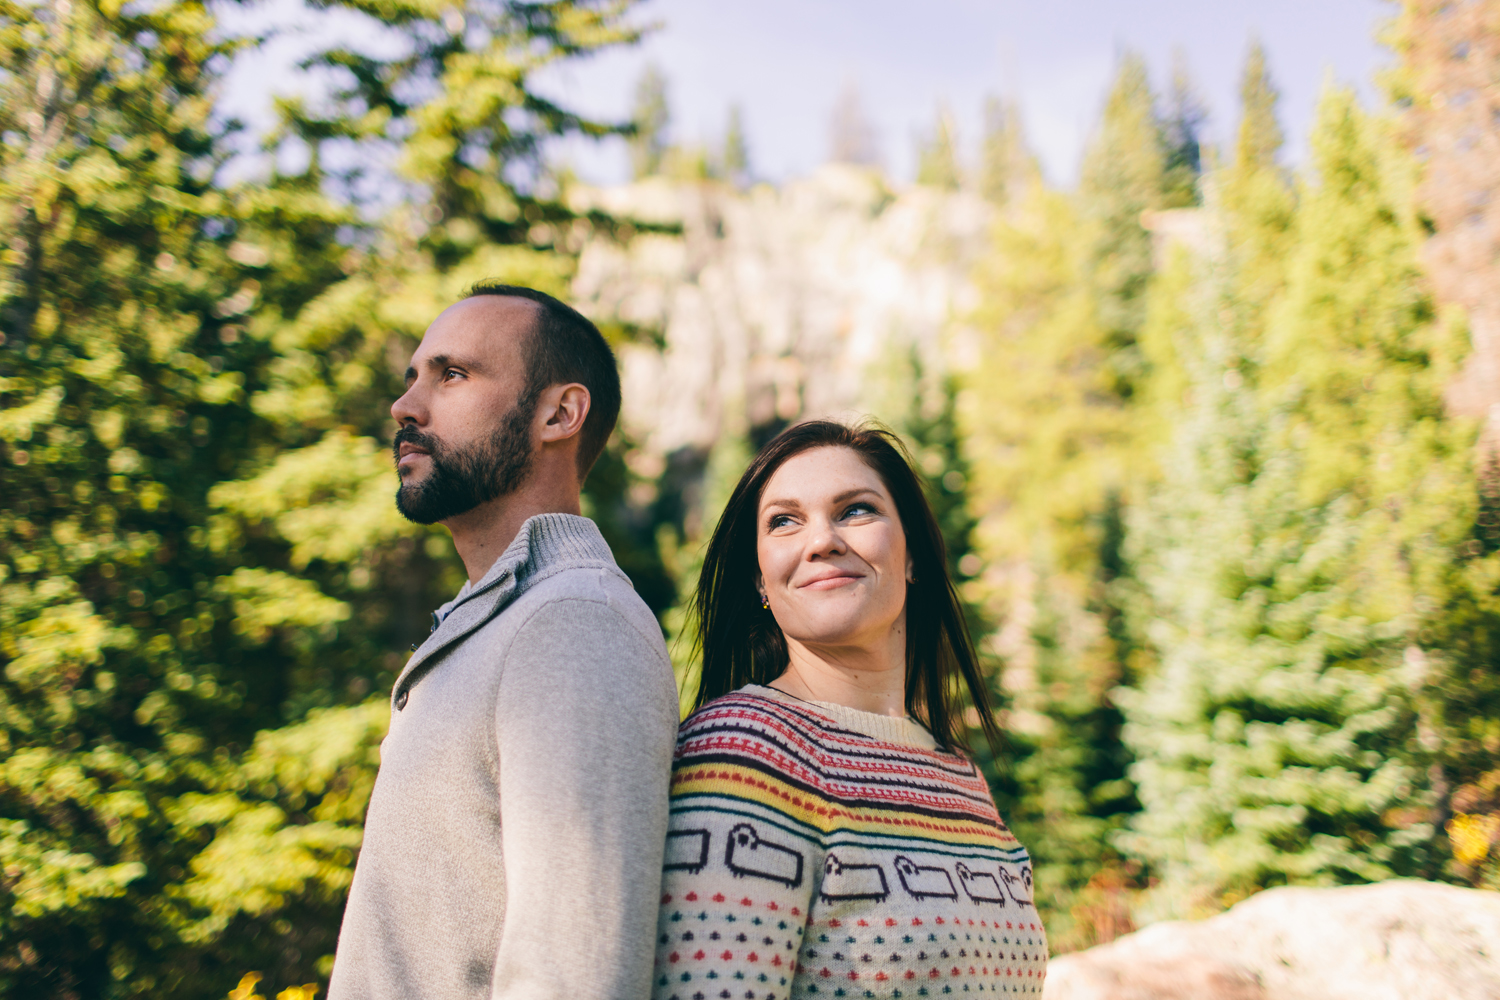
587, 597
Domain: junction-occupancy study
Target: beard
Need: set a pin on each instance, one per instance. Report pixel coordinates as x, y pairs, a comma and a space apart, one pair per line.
464, 477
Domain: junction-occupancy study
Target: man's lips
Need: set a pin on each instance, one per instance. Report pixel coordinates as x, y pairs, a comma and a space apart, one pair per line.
407, 454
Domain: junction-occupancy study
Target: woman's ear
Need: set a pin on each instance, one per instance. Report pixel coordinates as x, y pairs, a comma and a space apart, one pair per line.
911, 569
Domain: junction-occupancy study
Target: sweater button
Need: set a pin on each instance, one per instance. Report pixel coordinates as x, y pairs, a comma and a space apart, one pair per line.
401, 698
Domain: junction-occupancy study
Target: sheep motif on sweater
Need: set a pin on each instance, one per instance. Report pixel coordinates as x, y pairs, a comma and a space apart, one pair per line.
809, 857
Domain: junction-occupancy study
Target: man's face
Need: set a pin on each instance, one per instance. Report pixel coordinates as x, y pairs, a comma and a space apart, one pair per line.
466, 433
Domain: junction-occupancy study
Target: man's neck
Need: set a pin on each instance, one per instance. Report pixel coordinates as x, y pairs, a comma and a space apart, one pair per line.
482, 534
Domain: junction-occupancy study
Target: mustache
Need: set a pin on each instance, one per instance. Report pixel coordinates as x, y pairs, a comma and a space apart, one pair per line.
410, 435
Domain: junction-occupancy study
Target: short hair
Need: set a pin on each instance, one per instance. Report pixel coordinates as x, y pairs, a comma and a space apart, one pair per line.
566, 347
741, 642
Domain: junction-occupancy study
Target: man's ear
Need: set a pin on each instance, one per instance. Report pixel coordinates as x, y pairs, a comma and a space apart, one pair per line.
562, 410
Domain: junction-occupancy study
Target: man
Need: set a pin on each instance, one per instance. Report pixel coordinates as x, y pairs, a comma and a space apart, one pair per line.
513, 846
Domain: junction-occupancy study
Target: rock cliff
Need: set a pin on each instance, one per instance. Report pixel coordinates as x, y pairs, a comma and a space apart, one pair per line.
773, 304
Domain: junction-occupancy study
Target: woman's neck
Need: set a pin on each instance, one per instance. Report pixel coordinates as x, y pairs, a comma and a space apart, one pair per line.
870, 679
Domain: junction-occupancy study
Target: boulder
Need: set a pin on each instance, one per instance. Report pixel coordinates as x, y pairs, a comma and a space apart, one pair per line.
1400, 939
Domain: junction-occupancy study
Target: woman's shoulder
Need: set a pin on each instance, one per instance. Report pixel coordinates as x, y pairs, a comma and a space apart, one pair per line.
753, 707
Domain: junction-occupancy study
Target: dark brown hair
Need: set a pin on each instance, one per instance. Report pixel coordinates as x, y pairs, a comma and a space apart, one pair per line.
741, 642
565, 347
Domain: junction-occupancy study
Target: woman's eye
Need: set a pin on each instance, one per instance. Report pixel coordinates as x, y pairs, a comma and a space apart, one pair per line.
853, 510
778, 521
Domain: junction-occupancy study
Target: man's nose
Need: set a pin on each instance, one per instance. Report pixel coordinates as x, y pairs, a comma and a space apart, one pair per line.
409, 407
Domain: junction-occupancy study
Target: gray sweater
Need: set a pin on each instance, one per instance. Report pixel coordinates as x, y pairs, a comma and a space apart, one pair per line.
513, 845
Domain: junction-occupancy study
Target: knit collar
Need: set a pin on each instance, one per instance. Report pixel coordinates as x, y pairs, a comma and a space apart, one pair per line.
904, 731
546, 544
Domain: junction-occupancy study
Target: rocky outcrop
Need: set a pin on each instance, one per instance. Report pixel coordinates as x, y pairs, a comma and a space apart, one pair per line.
777, 303
1401, 939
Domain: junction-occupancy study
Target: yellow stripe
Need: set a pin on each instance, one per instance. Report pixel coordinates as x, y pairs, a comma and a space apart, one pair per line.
751, 785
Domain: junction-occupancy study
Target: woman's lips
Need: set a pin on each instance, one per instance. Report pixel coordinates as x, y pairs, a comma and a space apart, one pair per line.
829, 582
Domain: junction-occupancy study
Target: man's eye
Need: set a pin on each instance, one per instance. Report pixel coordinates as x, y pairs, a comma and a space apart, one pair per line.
452, 373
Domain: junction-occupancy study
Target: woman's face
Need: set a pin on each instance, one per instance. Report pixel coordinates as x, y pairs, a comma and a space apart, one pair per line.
832, 552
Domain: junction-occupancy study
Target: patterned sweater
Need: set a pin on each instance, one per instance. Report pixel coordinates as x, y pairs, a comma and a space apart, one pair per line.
819, 851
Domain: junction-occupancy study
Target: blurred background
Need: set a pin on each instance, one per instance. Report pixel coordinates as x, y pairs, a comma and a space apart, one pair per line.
1190, 314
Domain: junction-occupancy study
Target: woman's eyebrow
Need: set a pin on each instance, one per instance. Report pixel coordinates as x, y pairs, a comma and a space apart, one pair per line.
851, 494
846, 495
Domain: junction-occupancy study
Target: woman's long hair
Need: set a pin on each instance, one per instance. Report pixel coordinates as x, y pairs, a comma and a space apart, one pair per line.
740, 640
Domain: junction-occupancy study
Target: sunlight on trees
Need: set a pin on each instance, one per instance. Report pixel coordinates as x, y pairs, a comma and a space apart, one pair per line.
1217, 476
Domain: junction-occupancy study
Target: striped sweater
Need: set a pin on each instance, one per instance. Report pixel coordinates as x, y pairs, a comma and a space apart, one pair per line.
818, 851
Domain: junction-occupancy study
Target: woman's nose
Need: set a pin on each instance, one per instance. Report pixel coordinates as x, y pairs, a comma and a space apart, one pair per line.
826, 540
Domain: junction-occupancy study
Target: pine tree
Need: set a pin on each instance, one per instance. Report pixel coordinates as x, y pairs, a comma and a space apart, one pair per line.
1182, 127
1300, 557
1045, 444
652, 117
202, 578
851, 136
1006, 166
736, 158
1123, 176
1256, 203
1085, 355
1446, 51
937, 155
138, 659
1444, 81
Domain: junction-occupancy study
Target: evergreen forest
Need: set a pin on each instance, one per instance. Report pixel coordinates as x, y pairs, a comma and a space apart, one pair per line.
1218, 479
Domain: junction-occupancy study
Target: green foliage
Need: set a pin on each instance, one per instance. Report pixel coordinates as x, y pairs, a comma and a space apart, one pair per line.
1006, 166
1059, 425
1180, 127
937, 155
735, 163
1123, 176
648, 145
139, 654
1258, 140
1304, 550
1256, 203
1224, 547
202, 576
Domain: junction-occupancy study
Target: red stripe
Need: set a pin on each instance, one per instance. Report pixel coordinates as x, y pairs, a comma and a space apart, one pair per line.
768, 711
834, 812
845, 783
818, 745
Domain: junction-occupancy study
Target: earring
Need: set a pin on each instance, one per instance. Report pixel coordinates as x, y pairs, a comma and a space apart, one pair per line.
765, 602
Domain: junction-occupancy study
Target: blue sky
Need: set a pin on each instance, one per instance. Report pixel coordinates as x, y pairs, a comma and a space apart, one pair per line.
785, 63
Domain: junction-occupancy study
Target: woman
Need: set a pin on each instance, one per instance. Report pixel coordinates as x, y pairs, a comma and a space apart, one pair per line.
829, 837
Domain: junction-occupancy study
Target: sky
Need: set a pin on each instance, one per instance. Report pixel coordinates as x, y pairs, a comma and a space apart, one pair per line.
786, 62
